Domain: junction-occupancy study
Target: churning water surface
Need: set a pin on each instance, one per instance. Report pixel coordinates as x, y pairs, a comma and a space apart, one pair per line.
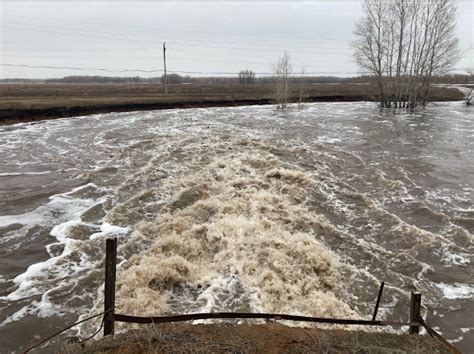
303, 211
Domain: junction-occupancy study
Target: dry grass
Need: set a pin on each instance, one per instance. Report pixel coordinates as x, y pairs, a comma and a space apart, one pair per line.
34, 95
269, 338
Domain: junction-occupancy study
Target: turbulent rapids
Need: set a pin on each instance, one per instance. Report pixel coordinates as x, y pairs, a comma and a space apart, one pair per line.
232, 232
240, 209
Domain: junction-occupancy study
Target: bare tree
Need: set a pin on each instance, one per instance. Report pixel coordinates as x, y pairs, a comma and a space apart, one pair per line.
246, 77
172, 79
470, 71
282, 71
469, 98
468, 92
404, 44
301, 88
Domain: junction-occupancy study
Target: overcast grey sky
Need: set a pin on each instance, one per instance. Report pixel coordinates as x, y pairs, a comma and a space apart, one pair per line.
201, 37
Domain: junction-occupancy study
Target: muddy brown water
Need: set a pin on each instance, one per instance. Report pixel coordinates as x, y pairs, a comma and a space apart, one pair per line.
244, 208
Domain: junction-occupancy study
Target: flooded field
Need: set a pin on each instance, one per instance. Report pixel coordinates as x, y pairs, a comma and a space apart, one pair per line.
302, 211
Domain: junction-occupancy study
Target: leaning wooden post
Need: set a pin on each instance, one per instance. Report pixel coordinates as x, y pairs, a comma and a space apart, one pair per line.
415, 309
109, 291
377, 304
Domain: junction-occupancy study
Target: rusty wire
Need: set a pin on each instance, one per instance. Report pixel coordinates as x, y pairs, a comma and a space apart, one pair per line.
231, 315
44, 340
438, 336
241, 315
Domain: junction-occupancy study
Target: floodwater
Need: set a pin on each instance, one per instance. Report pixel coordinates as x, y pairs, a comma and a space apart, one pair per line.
304, 211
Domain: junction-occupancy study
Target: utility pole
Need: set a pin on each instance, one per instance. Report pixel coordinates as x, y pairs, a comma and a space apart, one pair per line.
164, 62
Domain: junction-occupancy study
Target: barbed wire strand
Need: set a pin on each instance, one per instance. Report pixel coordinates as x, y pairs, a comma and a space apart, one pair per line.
438, 336
44, 340
95, 333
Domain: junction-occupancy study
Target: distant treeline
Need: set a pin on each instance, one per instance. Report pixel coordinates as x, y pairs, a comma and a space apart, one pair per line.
178, 79
103, 79
211, 80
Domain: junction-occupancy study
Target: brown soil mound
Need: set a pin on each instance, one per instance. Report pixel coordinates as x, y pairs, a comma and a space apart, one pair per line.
246, 338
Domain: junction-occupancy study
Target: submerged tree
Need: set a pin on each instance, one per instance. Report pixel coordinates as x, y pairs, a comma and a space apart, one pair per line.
469, 93
404, 44
301, 88
469, 98
282, 71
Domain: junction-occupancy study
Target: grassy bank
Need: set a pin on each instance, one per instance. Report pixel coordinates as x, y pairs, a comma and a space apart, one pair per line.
269, 338
22, 102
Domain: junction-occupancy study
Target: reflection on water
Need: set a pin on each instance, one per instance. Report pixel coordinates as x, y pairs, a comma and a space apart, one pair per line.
301, 211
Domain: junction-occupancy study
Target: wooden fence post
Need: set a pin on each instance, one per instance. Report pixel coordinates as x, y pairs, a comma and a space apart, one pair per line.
377, 304
109, 291
415, 308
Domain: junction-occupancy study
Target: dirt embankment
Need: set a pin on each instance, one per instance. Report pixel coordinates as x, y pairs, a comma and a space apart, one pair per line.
25, 102
269, 338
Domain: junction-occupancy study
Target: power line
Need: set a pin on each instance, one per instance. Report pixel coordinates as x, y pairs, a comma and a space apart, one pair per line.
172, 71
292, 38
79, 35
182, 71
185, 44
78, 68
141, 49
186, 72
180, 47
205, 55
153, 58
77, 57
259, 50
172, 38
267, 64
216, 54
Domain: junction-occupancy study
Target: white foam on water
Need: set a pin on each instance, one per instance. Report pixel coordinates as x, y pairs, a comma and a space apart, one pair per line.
150, 279
229, 236
467, 210
61, 270
458, 259
18, 315
11, 174
174, 248
222, 287
456, 290
109, 230
27, 219
43, 308
60, 207
423, 270
455, 340
328, 140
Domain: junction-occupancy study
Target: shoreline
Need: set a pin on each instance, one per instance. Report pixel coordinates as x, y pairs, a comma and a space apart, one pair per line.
18, 115
22, 103
15, 116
